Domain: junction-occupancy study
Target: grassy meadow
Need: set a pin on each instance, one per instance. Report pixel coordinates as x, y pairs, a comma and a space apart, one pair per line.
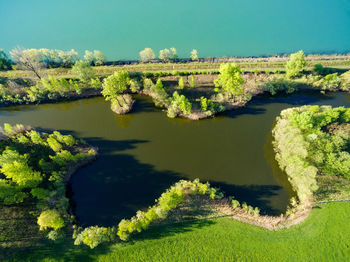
324, 236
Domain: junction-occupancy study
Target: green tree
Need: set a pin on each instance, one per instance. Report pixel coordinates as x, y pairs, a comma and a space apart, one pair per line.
147, 54
5, 62
179, 103
50, 218
194, 55
114, 85
295, 64
15, 167
230, 79
83, 71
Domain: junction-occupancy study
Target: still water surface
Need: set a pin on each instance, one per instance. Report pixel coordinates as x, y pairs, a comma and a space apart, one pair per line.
121, 29
143, 153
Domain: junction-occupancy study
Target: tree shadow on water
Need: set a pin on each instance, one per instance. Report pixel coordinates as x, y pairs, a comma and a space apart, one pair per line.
116, 185
253, 195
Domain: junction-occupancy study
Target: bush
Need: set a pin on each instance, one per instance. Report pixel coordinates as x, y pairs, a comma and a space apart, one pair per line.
279, 84
179, 103
83, 71
50, 218
169, 200
5, 62
93, 236
181, 83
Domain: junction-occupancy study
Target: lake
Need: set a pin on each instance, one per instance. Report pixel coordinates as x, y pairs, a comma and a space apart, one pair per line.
121, 29
143, 153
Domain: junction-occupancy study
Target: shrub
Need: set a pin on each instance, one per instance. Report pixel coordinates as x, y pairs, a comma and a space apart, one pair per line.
192, 82
279, 84
318, 69
235, 204
50, 218
83, 71
55, 235
5, 62
179, 103
93, 236
181, 83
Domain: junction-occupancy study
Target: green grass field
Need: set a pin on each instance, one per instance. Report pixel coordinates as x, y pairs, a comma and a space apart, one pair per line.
324, 236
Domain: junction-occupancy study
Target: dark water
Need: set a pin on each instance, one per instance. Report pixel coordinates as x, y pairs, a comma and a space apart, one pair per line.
121, 29
143, 153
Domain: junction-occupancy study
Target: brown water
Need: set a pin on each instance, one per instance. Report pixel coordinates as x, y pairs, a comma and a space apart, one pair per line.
143, 153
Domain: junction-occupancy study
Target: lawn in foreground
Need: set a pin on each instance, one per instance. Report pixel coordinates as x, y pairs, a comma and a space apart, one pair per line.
324, 236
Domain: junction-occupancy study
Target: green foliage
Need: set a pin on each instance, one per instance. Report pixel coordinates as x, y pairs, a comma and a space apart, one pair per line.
235, 204
192, 82
115, 84
230, 79
55, 235
83, 71
181, 83
54, 144
345, 81
33, 165
5, 62
11, 193
134, 86
40, 193
318, 69
179, 103
95, 83
312, 139
15, 167
50, 218
330, 82
169, 200
295, 64
93, 236
279, 84
157, 91
207, 104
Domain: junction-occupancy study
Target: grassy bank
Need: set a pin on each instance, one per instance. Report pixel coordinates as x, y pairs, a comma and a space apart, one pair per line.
322, 237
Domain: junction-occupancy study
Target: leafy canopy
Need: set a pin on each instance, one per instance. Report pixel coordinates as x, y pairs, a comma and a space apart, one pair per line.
115, 84
230, 79
295, 64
